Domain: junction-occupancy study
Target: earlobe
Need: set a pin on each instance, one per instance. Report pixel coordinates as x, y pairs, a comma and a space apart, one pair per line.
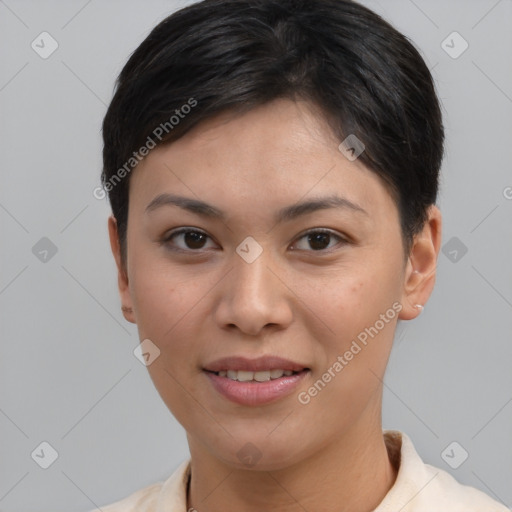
420, 272
122, 277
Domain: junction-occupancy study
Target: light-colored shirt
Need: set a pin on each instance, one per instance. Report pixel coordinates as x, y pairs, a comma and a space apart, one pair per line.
419, 487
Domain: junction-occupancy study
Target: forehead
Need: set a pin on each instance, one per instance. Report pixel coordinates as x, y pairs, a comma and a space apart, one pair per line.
279, 152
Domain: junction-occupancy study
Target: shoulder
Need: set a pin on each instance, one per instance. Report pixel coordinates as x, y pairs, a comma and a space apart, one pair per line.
143, 500
447, 492
168, 495
420, 487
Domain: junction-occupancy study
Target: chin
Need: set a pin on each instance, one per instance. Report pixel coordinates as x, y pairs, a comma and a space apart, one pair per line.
258, 453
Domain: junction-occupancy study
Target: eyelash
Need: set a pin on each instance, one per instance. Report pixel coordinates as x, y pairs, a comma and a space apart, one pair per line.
168, 239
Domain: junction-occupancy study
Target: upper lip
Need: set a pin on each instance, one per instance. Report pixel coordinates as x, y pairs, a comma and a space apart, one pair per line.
254, 365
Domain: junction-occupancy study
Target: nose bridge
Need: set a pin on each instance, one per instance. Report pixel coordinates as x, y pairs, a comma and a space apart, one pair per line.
253, 276
252, 297
252, 281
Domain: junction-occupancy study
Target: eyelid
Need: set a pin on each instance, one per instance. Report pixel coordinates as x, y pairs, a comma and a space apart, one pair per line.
168, 236
343, 239
183, 229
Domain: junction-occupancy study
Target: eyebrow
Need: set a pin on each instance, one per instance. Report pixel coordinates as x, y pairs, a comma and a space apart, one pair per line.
284, 214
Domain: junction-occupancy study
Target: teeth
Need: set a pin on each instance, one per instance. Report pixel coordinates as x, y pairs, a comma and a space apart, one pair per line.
244, 376
261, 376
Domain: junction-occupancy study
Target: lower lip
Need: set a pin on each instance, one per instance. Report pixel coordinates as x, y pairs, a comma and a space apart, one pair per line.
256, 393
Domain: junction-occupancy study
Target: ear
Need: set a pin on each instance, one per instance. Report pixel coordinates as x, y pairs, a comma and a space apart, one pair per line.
420, 271
122, 277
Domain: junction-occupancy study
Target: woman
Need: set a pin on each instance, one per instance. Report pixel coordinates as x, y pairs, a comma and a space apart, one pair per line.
272, 168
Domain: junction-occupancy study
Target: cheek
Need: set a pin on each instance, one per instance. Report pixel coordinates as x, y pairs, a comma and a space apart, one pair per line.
361, 312
169, 312
164, 296
349, 302
354, 357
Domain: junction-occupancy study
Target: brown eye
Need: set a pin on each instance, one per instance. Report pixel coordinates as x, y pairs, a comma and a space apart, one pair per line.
194, 239
187, 239
319, 240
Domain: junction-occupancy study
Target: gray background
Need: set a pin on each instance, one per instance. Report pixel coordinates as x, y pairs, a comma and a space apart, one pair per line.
68, 375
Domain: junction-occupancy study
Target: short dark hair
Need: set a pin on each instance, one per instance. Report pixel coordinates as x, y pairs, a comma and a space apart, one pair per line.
366, 78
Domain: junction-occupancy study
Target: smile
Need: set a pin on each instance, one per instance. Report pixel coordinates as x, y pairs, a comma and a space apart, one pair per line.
247, 391
248, 376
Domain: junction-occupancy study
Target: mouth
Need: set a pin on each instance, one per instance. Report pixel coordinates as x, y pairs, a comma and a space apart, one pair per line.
254, 382
259, 376
260, 365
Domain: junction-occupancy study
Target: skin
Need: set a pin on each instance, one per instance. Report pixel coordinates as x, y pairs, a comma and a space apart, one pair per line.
295, 302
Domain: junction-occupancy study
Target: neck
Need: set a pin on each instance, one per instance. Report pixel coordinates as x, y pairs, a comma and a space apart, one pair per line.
352, 474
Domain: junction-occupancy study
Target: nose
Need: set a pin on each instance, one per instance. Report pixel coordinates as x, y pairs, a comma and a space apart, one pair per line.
254, 298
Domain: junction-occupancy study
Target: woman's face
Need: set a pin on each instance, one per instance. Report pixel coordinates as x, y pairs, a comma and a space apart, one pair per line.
290, 250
